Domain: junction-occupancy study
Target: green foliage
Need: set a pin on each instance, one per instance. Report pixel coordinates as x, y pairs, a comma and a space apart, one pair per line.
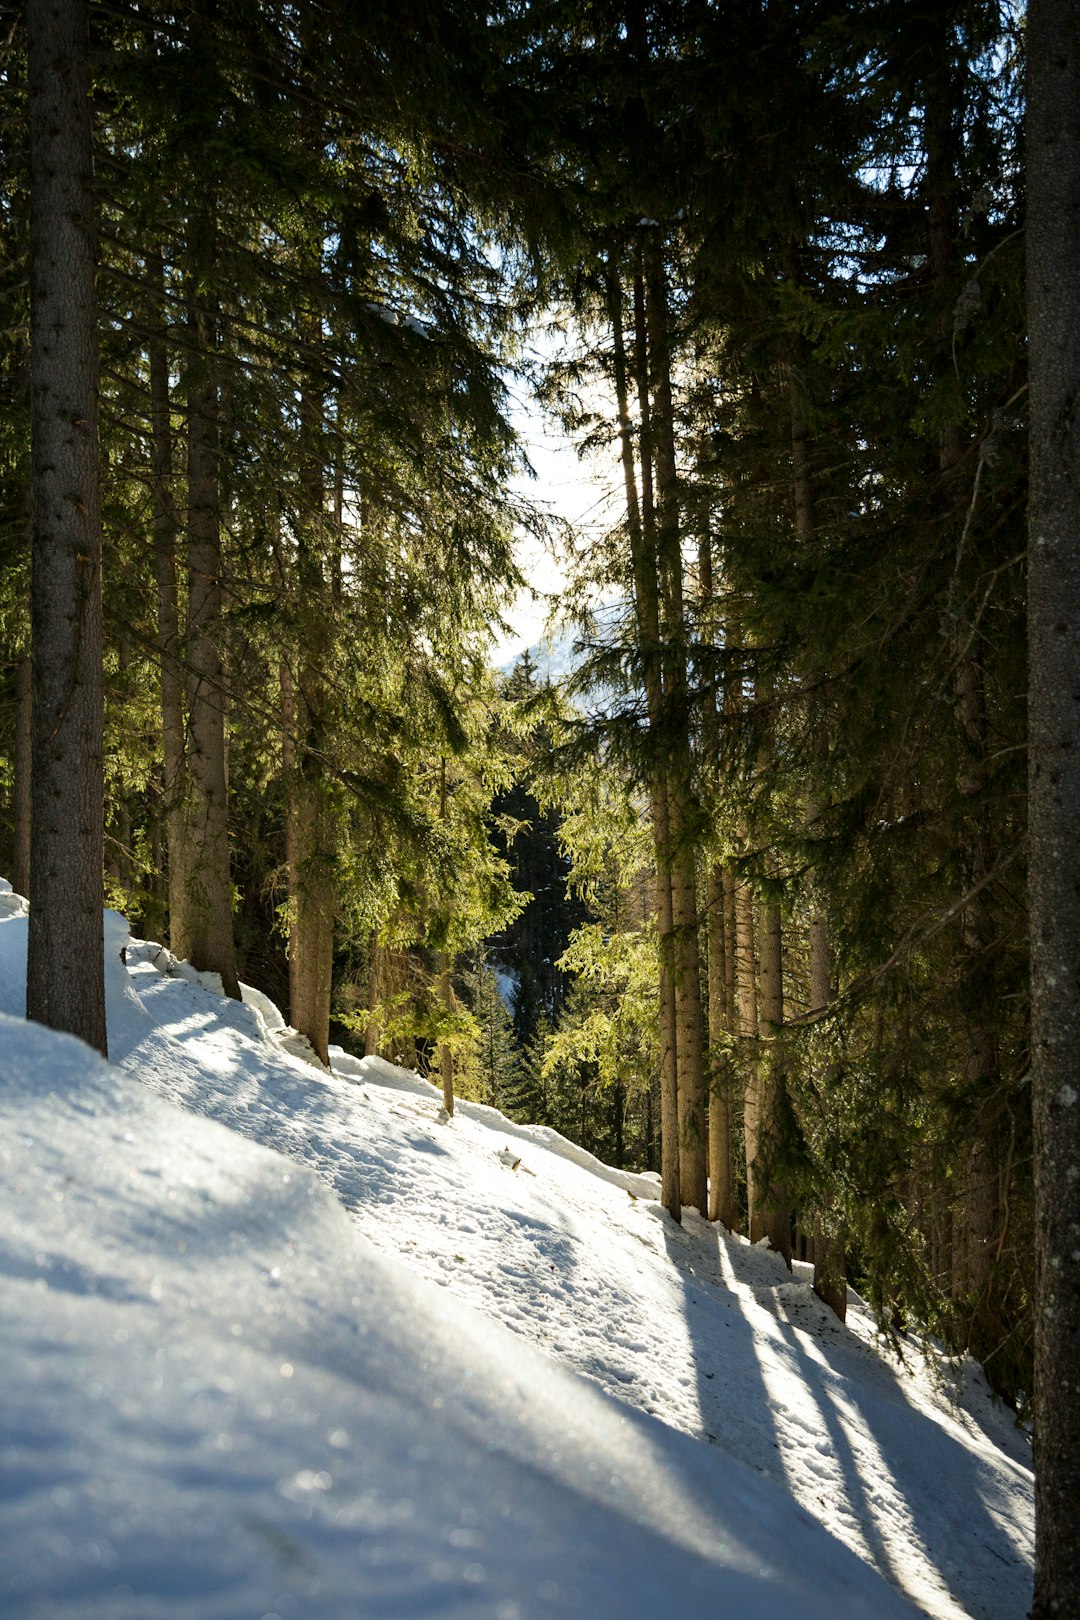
362, 219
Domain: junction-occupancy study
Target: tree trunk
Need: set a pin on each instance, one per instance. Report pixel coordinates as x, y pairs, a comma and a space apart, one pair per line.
723, 1199
820, 963
311, 904
747, 1023
311, 868
682, 832
207, 937
826, 1244
65, 960
830, 1264
641, 525
446, 1051
170, 664
20, 872
312, 907
731, 1000
976, 1215
770, 1216
1054, 783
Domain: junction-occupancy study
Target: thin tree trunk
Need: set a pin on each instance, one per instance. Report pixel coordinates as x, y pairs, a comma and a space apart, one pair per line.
446, 982
312, 908
820, 962
65, 959
640, 522
311, 875
446, 1051
20, 874
1053, 233
747, 1023
771, 1215
730, 987
207, 940
723, 1199
976, 1214
829, 1257
689, 1027
826, 1245
311, 870
170, 668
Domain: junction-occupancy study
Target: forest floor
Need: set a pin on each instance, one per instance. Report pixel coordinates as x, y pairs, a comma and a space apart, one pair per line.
283, 1344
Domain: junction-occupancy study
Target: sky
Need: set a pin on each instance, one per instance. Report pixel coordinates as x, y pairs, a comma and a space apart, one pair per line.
281, 1341
582, 493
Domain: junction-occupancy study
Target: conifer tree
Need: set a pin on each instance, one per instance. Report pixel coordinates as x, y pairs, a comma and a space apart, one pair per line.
1053, 151
65, 963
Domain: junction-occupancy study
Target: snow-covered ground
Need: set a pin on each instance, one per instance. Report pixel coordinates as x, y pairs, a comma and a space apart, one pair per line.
284, 1343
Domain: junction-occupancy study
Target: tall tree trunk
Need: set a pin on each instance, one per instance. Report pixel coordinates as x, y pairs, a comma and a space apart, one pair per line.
723, 1199
24, 669
207, 938
446, 983
770, 1216
170, 666
641, 525
1053, 233
747, 1025
446, 1051
723, 1196
20, 872
65, 960
977, 1212
682, 831
830, 1263
312, 907
310, 815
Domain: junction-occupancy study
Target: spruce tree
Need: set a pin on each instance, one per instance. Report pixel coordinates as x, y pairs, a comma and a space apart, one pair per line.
1053, 152
65, 962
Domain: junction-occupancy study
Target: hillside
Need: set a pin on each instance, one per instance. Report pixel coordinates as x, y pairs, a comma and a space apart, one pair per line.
282, 1342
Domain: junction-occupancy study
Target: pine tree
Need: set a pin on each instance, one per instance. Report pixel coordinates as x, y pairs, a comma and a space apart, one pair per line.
1053, 150
65, 963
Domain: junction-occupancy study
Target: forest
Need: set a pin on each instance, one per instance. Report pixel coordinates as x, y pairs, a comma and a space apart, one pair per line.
743, 898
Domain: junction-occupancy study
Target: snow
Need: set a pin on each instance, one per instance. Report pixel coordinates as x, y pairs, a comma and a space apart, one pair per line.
286, 1342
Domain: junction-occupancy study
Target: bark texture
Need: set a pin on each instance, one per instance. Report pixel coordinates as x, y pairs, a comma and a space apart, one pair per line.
827, 1249
1053, 236
746, 1022
170, 667
310, 814
446, 1051
640, 523
65, 961
770, 1216
723, 1196
675, 737
204, 935
20, 873
723, 1199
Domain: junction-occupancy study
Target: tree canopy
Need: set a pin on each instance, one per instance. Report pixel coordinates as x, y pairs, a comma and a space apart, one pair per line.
747, 898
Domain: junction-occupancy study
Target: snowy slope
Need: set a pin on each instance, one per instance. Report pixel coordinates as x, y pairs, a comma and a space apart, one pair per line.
226, 1393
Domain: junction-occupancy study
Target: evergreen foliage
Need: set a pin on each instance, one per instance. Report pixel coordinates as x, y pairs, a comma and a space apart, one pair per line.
765, 860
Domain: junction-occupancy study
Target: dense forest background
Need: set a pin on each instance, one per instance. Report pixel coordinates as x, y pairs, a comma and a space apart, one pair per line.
744, 899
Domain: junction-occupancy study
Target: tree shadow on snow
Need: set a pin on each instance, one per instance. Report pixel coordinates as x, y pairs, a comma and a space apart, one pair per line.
777, 1372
